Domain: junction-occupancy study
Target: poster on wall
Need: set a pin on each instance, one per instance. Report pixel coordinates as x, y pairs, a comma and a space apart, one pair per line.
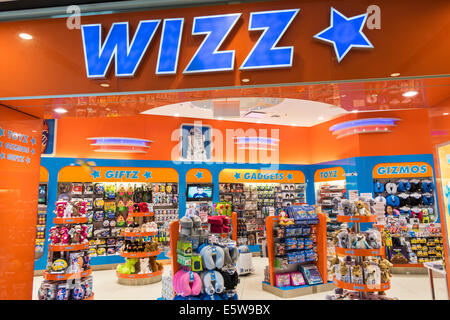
196, 142
48, 138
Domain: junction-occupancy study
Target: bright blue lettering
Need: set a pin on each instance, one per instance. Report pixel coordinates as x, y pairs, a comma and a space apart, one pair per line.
127, 56
208, 58
246, 175
109, 174
169, 48
381, 170
265, 54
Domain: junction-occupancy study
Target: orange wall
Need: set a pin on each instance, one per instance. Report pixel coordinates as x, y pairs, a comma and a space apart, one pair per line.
298, 145
18, 202
73, 132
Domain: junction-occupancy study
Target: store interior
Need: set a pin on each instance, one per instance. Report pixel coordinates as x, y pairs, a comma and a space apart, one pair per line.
132, 166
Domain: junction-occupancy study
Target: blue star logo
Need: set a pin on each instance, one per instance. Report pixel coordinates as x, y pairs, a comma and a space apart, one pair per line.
2, 132
2, 155
199, 175
28, 160
148, 174
289, 176
95, 174
33, 141
237, 175
32, 151
345, 33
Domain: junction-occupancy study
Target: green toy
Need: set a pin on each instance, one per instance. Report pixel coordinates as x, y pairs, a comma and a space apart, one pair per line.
128, 266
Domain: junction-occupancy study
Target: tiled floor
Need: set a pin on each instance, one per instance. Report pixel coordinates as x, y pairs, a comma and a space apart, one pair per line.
404, 287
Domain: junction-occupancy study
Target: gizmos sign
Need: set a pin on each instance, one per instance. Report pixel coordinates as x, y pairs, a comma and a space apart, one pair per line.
265, 53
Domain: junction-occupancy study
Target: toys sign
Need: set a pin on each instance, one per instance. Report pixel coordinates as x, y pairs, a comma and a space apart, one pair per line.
329, 174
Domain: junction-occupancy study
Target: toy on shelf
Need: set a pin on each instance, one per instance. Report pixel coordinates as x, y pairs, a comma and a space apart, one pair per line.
361, 267
140, 251
68, 272
296, 250
203, 262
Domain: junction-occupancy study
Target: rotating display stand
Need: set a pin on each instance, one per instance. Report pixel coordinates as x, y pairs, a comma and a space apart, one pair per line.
140, 253
68, 275
358, 273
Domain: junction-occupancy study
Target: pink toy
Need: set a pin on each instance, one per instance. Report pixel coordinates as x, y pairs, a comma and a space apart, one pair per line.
84, 234
190, 284
64, 233
60, 208
55, 237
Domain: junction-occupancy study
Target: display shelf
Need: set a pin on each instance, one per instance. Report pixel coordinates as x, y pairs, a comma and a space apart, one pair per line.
140, 254
65, 276
70, 220
143, 214
139, 276
68, 247
361, 287
360, 252
408, 265
321, 262
355, 219
139, 234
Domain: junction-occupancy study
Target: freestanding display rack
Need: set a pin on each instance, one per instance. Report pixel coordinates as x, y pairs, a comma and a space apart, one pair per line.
68, 274
358, 254
144, 237
320, 263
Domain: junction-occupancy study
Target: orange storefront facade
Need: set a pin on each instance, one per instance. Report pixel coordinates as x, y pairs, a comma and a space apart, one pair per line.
50, 72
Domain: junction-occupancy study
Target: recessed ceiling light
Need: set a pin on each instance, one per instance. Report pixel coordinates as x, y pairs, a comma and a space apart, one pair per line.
293, 124
176, 115
355, 111
245, 80
219, 118
445, 114
410, 93
259, 121
60, 110
395, 74
104, 85
320, 118
25, 36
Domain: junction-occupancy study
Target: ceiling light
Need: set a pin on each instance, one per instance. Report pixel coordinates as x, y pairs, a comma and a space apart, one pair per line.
445, 114
320, 118
176, 115
410, 93
60, 110
104, 85
293, 124
395, 74
219, 118
245, 80
354, 111
25, 36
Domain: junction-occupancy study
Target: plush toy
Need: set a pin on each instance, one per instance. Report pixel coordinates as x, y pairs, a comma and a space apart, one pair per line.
55, 236
342, 238
373, 238
334, 262
64, 234
371, 275
348, 208
357, 274
68, 210
143, 207
385, 267
154, 265
360, 242
362, 209
144, 265
60, 208
128, 266
344, 274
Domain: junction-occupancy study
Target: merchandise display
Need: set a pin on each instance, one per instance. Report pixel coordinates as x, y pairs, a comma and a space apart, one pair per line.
296, 248
204, 260
255, 201
413, 233
111, 207
41, 221
361, 267
68, 272
139, 250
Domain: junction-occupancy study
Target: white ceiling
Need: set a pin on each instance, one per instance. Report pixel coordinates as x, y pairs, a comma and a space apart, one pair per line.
278, 111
